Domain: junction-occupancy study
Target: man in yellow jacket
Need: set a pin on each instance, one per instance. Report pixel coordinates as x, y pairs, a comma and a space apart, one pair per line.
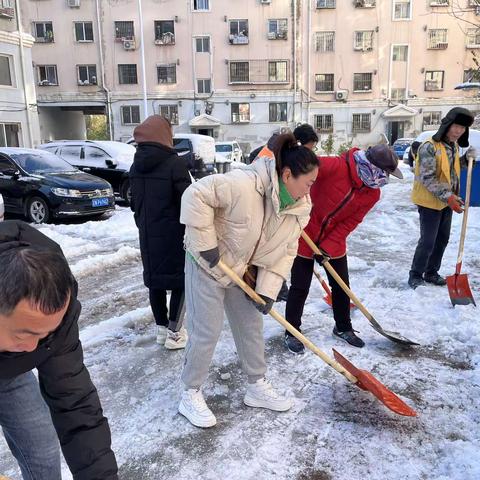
435, 192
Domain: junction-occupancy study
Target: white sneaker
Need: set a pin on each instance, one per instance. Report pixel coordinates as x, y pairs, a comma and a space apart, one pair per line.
194, 408
261, 394
161, 332
176, 340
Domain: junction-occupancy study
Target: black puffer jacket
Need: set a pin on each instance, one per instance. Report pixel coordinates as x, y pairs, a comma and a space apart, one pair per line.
158, 178
65, 383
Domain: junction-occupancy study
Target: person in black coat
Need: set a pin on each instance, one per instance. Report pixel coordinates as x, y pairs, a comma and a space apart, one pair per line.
39, 314
158, 178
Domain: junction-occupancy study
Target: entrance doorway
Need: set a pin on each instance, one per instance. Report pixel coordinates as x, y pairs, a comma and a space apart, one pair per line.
205, 131
395, 130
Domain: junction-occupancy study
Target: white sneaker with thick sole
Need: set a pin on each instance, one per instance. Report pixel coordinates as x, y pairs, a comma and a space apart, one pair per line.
161, 333
261, 394
176, 340
194, 408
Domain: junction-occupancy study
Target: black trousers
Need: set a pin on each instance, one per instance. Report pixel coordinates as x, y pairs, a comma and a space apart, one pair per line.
173, 316
434, 235
301, 278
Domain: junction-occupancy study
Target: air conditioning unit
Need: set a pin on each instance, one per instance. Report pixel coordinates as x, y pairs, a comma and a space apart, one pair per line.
129, 44
93, 80
44, 82
271, 35
73, 3
341, 95
265, 2
284, 130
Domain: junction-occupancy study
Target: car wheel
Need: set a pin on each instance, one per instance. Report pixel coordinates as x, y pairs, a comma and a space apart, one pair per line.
126, 192
38, 210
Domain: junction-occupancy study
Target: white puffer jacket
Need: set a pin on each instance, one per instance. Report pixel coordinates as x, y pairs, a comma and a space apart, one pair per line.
240, 213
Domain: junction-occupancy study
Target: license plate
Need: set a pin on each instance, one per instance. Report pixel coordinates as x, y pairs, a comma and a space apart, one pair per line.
100, 202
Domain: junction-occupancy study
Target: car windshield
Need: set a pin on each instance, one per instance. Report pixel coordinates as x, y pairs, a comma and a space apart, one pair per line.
42, 162
223, 148
181, 144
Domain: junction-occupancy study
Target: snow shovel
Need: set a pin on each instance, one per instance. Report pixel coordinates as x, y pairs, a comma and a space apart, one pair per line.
458, 286
328, 297
361, 378
393, 336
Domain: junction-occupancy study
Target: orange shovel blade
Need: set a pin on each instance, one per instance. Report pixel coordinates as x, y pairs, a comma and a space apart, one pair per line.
366, 381
459, 289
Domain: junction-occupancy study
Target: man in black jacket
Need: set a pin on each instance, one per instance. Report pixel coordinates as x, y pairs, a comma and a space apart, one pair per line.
39, 311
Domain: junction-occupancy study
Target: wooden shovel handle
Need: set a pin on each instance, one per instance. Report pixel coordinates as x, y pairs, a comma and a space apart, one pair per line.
465, 213
322, 282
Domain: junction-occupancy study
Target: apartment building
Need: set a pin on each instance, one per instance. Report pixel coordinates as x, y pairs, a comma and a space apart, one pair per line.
243, 69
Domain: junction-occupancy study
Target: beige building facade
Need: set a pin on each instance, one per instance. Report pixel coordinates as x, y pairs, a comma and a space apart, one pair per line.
355, 69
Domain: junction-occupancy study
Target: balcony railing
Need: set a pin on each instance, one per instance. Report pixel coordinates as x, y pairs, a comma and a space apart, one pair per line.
238, 39
167, 38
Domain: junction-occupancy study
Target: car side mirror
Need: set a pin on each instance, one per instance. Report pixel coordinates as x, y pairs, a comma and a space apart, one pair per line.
11, 172
111, 163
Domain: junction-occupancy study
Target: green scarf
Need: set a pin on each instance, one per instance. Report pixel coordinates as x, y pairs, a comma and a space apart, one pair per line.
285, 198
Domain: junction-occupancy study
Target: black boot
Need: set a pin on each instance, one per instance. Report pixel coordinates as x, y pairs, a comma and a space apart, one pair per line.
293, 344
435, 279
350, 337
415, 281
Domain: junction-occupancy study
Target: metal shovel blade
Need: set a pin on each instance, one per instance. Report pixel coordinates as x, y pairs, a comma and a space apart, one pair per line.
366, 381
459, 289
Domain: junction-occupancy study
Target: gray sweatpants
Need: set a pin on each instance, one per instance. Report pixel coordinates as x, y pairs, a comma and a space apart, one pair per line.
207, 302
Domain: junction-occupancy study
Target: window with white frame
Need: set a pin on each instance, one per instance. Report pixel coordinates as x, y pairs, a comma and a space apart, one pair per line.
240, 112
437, 38
324, 82
325, 41
87, 74
127, 74
363, 40
130, 114
170, 112
47, 75
431, 119
277, 112
238, 32
277, 28
6, 71
400, 53
204, 85
83, 31
164, 32
362, 82
124, 30
471, 75
434, 80
323, 123
9, 134
325, 3
361, 122
43, 32
167, 73
201, 5
473, 37
278, 71
398, 94
402, 9
7, 3
202, 44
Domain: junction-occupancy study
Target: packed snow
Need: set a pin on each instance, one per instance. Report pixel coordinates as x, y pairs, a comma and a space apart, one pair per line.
335, 430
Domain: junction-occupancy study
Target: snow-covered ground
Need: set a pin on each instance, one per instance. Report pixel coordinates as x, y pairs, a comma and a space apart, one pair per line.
335, 430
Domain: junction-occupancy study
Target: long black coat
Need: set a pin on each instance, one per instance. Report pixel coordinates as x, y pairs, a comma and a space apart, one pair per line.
64, 380
158, 178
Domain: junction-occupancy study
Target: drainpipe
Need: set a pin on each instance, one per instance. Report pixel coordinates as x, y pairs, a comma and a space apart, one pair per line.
142, 62
309, 60
24, 74
294, 42
102, 72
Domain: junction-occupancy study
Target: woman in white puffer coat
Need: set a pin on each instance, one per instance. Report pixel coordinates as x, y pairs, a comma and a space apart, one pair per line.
249, 217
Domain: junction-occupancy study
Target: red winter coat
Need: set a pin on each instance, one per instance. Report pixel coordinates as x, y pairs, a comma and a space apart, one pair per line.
340, 201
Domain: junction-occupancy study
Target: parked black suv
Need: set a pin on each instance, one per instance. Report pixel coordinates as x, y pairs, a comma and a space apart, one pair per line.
42, 186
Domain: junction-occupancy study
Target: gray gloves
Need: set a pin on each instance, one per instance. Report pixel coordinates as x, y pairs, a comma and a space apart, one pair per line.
264, 309
212, 256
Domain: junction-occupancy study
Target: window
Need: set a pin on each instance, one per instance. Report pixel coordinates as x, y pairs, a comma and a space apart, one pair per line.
277, 29
364, 3
5, 71
201, 5
127, 73
398, 94
130, 114
9, 135
324, 82
323, 123
431, 119
167, 73
95, 156
363, 40
439, 3
87, 74
47, 75
202, 44
124, 30
434, 80
239, 72
362, 82
361, 122
240, 112
71, 154
238, 32
43, 32
325, 3
324, 41
6, 3
277, 112
204, 85
470, 75
400, 53
437, 39
170, 112
473, 37
402, 10
164, 32
277, 71
83, 31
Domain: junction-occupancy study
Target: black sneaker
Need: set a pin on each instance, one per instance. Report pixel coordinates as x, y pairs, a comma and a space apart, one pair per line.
414, 281
435, 279
293, 344
350, 337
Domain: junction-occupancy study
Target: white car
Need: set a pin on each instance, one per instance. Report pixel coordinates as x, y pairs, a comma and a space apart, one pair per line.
473, 139
2, 208
228, 152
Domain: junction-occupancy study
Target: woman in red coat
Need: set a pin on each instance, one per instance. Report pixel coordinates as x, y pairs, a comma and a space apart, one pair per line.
346, 189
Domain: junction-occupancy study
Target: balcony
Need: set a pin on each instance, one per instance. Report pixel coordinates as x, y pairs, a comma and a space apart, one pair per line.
282, 35
7, 12
167, 38
364, 3
239, 39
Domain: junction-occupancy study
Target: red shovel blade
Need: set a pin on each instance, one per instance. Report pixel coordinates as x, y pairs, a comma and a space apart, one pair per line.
459, 289
328, 300
366, 381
